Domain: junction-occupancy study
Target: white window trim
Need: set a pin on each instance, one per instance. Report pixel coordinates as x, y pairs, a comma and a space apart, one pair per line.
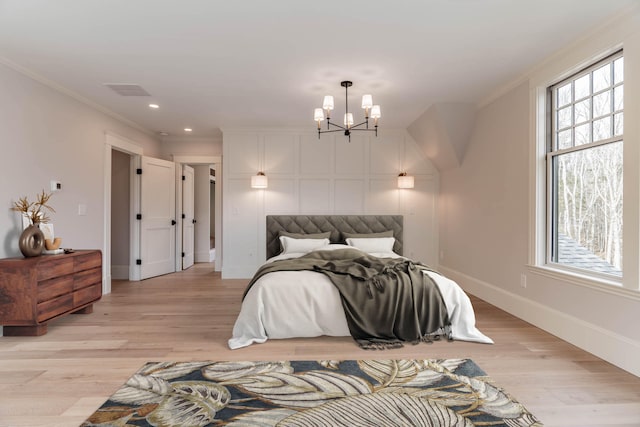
577, 279
550, 153
564, 64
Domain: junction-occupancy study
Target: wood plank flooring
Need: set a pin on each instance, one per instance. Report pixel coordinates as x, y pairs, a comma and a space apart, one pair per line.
60, 378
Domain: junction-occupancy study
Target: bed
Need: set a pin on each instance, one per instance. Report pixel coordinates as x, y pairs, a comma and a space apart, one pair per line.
295, 304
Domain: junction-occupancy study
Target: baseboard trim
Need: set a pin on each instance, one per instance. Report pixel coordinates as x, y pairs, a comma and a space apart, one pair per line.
608, 345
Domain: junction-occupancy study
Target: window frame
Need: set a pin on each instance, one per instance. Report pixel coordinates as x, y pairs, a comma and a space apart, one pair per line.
551, 151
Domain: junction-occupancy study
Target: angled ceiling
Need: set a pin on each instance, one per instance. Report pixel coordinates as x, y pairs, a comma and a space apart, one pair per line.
255, 63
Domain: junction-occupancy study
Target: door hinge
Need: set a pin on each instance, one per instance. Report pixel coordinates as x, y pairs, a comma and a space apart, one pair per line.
183, 216
138, 262
138, 216
184, 178
182, 254
139, 171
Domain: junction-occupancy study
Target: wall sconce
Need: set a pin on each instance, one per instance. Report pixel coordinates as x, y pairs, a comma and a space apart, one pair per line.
259, 181
405, 181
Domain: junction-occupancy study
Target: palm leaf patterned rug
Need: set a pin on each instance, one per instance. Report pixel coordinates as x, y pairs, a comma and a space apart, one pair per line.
452, 392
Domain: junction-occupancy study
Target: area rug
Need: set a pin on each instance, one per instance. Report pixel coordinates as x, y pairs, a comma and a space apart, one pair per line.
452, 392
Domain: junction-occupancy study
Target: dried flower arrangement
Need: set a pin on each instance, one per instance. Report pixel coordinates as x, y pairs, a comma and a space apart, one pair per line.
37, 211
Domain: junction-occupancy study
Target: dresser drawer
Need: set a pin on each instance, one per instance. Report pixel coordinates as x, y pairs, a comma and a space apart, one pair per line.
51, 308
49, 289
87, 278
54, 267
87, 295
87, 261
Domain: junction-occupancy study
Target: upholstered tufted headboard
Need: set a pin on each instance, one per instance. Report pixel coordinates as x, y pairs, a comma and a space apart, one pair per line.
336, 224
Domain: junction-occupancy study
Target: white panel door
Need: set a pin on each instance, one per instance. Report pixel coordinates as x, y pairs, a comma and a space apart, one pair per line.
188, 216
158, 209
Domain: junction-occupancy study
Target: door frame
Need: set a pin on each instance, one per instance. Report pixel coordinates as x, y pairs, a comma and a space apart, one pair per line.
113, 141
198, 160
117, 142
181, 214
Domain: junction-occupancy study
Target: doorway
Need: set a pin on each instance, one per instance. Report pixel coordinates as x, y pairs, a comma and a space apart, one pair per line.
120, 214
207, 208
212, 213
134, 153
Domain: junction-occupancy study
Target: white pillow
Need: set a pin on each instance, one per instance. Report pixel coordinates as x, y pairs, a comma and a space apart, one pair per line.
372, 245
290, 245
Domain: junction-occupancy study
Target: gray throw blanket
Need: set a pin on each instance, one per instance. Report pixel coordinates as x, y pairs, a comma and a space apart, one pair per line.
387, 301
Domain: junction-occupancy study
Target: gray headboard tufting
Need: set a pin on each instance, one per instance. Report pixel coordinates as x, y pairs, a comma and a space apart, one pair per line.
336, 224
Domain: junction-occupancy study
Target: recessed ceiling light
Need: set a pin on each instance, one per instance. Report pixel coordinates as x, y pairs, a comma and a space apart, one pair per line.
154, 106
188, 129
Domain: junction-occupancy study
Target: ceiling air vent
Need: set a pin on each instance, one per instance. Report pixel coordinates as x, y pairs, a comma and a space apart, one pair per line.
127, 89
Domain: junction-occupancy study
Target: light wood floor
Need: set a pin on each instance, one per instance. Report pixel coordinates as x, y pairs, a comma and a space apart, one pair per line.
60, 378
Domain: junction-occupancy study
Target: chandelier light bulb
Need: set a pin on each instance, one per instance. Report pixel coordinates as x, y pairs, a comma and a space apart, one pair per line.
348, 120
375, 112
318, 116
367, 101
327, 104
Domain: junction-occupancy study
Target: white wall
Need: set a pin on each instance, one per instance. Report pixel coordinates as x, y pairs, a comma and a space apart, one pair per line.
327, 176
484, 204
45, 135
488, 223
190, 146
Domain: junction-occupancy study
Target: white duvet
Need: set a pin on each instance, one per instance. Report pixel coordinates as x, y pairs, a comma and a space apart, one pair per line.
290, 304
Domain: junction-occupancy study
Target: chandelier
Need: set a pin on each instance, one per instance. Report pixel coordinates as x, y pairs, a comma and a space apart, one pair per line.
370, 111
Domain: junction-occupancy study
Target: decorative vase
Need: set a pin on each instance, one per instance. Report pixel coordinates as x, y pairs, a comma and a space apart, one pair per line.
31, 241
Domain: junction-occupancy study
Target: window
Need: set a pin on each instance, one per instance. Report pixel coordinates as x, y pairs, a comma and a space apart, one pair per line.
584, 169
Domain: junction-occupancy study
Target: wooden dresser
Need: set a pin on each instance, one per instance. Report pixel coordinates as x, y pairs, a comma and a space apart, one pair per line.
33, 291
